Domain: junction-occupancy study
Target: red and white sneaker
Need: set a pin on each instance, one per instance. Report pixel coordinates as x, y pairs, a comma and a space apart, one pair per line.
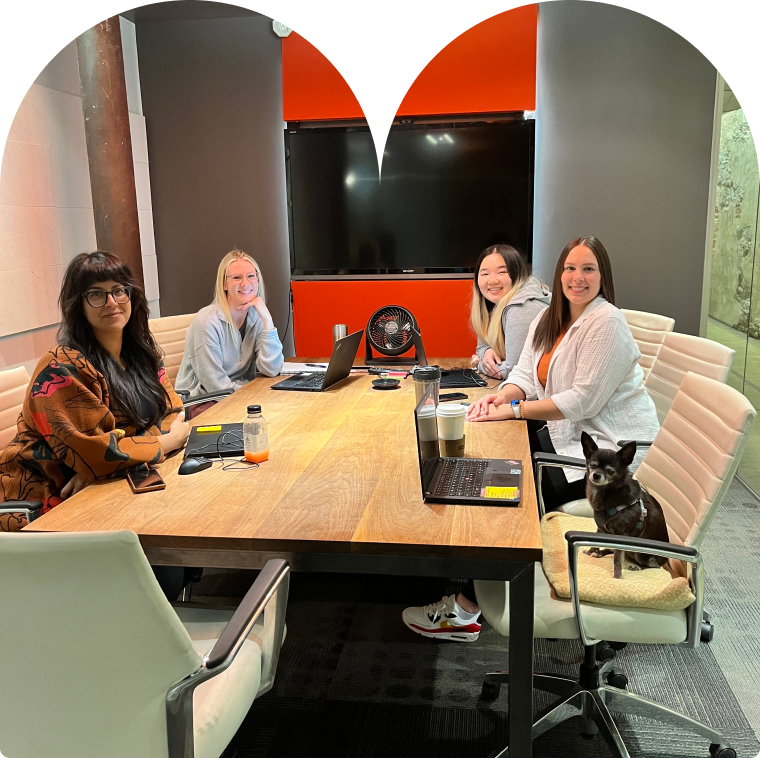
443, 620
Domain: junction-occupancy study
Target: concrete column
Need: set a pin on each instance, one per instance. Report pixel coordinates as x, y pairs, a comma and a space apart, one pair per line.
109, 145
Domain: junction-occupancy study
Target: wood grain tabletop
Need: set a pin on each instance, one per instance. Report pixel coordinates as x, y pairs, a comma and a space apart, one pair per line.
342, 475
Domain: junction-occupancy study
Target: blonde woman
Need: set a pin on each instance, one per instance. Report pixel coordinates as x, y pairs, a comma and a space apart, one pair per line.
505, 300
232, 339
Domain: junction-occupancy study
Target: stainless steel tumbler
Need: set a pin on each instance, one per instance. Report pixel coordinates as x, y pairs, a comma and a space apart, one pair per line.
339, 332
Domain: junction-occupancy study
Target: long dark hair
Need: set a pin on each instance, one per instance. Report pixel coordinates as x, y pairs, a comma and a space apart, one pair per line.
556, 317
136, 392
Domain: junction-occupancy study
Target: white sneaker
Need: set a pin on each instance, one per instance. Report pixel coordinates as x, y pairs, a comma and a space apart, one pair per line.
443, 620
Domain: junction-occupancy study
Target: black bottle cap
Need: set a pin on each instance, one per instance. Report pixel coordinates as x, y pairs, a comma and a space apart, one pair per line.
254, 409
427, 374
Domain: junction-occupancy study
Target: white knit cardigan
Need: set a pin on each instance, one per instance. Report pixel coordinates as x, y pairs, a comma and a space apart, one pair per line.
595, 380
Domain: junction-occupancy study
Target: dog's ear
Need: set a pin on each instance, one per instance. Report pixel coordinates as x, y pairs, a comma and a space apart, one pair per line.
626, 453
588, 445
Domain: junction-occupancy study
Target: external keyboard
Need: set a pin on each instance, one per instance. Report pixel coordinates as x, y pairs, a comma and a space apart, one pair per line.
461, 477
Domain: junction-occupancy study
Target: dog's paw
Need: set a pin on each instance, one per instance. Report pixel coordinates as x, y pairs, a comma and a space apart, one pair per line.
594, 552
633, 567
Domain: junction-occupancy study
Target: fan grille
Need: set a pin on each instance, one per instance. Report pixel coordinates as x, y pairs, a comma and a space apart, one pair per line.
390, 330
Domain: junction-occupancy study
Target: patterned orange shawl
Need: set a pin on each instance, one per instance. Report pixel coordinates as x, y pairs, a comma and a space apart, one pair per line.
66, 427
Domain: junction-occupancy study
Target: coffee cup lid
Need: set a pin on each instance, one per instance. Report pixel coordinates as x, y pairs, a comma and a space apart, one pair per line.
427, 411
451, 409
427, 373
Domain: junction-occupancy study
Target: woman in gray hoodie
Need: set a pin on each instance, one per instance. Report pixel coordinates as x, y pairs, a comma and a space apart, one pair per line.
505, 300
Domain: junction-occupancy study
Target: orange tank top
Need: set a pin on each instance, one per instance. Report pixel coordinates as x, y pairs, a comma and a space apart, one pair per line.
546, 358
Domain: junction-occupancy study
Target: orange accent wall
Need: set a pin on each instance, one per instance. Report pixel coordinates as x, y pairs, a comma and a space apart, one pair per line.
312, 88
491, 67
441, 307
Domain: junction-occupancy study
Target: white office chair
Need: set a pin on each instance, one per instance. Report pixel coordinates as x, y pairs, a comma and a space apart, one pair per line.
169, 332
688, 469
13, 384
681, 353
92, 646
648, 330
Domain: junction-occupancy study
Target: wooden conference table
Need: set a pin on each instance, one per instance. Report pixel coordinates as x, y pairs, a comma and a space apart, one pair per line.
340, 492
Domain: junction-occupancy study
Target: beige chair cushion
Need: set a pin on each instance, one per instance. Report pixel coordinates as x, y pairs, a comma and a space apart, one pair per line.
169, 332
580, 507
221, 704
13, 384
554, 618
649, 588
681, 353
648, 330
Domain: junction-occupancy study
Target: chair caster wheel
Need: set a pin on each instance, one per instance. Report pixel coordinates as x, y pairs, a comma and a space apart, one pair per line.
490, 690
616, 678
708, 632
604, 652
721, 751
617, 645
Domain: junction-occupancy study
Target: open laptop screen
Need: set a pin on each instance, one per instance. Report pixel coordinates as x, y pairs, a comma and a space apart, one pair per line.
426, 424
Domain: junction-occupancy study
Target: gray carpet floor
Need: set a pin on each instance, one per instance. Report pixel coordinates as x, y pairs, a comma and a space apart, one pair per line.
354, 682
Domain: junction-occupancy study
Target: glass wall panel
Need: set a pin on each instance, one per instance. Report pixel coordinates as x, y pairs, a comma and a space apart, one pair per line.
734, 314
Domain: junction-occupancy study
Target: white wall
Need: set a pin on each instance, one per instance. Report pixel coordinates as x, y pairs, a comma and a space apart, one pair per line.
46, 213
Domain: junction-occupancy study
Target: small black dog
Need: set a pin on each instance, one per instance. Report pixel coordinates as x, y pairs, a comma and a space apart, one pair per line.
621, 505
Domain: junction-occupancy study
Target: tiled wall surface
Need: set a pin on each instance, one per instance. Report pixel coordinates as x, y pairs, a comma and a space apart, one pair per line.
46, 215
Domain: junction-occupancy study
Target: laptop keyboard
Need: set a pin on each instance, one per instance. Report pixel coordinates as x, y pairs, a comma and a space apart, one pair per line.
314, 381
461, 477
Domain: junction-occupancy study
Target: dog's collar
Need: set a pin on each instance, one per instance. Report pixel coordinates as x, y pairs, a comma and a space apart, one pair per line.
640, 502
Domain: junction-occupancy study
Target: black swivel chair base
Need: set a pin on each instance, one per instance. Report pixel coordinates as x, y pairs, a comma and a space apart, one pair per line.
591, 700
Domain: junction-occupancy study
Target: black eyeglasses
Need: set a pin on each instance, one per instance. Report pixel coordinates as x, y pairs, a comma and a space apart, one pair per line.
98, 298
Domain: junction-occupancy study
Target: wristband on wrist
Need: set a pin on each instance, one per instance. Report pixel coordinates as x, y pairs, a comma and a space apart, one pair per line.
522, 409
517, 408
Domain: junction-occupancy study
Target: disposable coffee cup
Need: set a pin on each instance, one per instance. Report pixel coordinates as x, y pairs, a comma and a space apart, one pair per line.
428, 429
451, 435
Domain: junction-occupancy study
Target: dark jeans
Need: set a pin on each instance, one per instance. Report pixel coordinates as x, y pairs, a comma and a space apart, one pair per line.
555, 487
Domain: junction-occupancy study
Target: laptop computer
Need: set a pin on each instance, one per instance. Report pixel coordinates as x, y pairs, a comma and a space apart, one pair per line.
215, 441
341, 360
462, 481
461, 378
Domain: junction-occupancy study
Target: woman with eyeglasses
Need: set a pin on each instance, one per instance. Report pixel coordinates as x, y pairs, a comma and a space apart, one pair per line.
232, 339
99, 404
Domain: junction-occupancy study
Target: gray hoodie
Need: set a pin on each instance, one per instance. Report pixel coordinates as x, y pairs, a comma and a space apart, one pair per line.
213, 362
516, 320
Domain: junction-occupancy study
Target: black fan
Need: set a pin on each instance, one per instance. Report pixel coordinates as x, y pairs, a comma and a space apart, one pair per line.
392, 331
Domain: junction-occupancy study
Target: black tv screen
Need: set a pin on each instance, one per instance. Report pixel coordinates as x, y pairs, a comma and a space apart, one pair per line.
446, 193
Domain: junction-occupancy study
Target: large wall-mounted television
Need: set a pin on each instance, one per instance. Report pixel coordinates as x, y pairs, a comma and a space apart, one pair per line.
447, 191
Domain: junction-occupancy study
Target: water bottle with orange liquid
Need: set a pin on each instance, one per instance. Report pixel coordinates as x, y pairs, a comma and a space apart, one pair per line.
255, 436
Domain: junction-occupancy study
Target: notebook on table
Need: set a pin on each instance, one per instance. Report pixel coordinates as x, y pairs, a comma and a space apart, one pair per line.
341, 361
461, 481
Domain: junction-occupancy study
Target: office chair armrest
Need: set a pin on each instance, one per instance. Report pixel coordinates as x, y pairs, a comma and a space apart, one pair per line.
247, 612
552, 460
271, 582
30, 508
639, 443
198, 399
577, 540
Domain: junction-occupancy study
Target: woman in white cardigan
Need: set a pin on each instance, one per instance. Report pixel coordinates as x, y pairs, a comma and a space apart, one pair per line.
579, 371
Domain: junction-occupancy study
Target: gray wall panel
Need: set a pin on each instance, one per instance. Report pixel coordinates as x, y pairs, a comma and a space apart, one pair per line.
623, 143
212, 99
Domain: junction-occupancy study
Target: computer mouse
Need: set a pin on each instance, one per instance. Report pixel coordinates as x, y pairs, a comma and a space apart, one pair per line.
193, 465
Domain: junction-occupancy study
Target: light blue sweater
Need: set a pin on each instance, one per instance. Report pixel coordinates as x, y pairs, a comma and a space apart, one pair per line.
212, 361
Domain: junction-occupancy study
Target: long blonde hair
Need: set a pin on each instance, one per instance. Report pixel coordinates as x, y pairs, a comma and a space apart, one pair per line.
485, 315
220, 290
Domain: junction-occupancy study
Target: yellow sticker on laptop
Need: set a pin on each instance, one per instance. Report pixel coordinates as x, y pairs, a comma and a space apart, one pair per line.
503, 493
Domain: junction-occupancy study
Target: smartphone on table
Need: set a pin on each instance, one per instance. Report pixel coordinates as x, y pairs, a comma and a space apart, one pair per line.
145, 481
453, 396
